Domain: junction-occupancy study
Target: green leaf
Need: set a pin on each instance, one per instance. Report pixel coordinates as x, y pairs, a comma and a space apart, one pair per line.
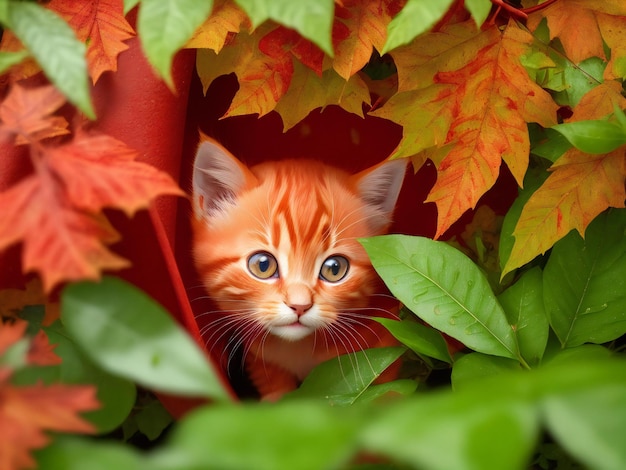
115, 394
421, 339
479, 9
342, 380
54, 46
417, 17
576, 79
9, 59
445, 289
477, 366
395, 387
164, 27
523, 306
484, 428
593, 136
591, 425
72, 453
555, 145
127, 333
298, 435
585, 283
153, 419
312, 19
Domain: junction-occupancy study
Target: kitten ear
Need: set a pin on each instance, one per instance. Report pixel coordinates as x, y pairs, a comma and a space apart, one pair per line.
217, 177
379, 187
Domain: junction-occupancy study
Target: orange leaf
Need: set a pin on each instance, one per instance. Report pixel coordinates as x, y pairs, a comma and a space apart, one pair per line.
476, 97
60, 242
102, 26
613, 29
366, 23
598, 102
26, 412
100, 171
580, 187
225, 19
14, 300
26, 113
308, 91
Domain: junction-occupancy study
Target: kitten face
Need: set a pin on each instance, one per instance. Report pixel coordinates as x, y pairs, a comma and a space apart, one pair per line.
277, 246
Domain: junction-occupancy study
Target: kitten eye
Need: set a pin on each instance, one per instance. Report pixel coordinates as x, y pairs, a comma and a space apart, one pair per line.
263, 265
334, 269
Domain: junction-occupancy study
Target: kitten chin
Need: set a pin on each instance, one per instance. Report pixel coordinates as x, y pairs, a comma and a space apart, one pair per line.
278, 241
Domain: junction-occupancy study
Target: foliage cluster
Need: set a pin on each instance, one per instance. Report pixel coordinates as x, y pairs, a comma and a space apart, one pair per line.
477, 84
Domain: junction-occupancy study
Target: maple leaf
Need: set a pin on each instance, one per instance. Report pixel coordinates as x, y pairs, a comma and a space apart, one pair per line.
580, 187
103, 28
364, 28
100, 171
26, 412
26, 113
225, 19
60, 242
14, 300
476, 97
585, 15
613, 29
309, 91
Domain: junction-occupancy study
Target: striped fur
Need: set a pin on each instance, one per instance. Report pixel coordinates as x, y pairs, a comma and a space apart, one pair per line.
302, 212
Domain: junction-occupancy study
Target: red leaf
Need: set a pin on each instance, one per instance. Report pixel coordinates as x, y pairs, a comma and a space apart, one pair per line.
26, 412
102, 26
100, 171
60, 242
26, 113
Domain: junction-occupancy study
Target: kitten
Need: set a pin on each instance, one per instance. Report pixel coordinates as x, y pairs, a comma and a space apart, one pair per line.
276, 248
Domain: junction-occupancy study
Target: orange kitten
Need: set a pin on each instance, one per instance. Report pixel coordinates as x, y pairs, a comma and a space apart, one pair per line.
276, 247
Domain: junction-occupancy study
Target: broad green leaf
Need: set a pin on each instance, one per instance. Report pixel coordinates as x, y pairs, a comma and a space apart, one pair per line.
477, 366
487, 428
555, 145
115, 394
422, 339
523, 306
165, 26
576, 79
54, 46
585, 283
595, 137
73, 453
479, 9
344, 379
445, 289
300, 435
393, 388
9, 59
127, 333
591, 425
152, 419
313, 19
417, 17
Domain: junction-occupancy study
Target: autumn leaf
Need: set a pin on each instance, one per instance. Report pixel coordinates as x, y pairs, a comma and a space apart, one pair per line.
12, 301
580, 187
101, 26
365, 22
99, 171
308, 91
26, 114
55, 211
26, 412
613, 30
479, 100
226, 19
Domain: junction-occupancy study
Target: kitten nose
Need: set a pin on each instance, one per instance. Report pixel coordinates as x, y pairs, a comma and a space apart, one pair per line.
299, 298
300, 309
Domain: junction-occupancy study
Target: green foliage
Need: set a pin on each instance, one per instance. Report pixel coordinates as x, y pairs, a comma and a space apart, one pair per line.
165, 26
313, 19
125, 332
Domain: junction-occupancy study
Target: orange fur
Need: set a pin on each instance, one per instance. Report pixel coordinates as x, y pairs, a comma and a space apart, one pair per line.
302, 213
